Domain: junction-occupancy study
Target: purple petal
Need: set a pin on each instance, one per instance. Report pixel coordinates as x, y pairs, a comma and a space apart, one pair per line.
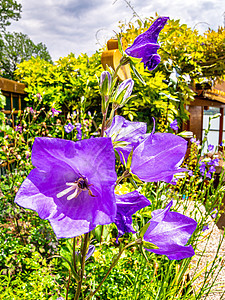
145, 45
152, 62
127, 205
126, 131
210, 148
59, 162
158, 157
91, 250
170, 231
126, 84
174, 125
149, 36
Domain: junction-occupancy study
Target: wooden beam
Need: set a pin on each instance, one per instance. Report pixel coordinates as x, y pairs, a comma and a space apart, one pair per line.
12, 86
205, 102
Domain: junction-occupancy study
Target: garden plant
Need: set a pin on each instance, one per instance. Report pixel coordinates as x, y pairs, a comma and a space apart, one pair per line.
109, 206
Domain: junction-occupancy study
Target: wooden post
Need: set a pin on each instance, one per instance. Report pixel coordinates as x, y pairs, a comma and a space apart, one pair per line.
111, 58
221, 126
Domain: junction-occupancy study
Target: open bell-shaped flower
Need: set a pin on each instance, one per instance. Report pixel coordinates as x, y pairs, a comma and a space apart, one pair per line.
170, 232
72, 184
158, 157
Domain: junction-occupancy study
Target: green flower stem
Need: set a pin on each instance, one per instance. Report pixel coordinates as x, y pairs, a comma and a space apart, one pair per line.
81, 273
74, 255
68, 284
115, 261
125, 174
103, 124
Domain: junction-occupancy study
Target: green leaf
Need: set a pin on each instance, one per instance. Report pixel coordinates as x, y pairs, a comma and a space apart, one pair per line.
137, 74
136, 178
77, 278
144, 229
149, 245
120, 47
129, 159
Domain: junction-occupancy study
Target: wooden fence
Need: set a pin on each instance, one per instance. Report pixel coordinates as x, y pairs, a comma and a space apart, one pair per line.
15, 94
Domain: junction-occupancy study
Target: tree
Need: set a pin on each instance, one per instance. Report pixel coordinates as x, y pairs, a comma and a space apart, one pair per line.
16, 47
9, 10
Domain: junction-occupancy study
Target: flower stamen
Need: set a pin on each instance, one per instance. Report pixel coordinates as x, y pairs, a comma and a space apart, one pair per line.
79, 186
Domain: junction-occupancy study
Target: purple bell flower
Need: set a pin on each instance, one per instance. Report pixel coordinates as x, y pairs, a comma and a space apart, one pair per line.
174, 125
69, 127
72, 184
55, 112
127, 205
170, 232
210, 148
214, 162
205, 227
125, 135
105, 75
212, 169
106, 79
19, 128
145, 46
202, 168
79, 131
158, 157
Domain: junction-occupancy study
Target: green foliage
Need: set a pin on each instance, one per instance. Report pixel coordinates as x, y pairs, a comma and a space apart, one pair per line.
9, 10
39, 281
184, 54
17, 47
2, 100
63, 84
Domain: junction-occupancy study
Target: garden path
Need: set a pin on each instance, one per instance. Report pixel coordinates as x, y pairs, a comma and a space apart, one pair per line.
207, 254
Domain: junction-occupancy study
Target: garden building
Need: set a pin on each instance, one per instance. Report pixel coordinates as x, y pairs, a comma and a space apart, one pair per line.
208, 102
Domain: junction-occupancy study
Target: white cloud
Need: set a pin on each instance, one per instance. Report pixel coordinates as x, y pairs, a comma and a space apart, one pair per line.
71, 25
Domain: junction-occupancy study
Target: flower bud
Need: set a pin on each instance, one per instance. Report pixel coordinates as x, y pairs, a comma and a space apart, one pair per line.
123, 92
105, 82
186, 134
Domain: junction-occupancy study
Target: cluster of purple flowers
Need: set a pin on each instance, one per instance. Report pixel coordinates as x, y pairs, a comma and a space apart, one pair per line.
19, 128
73, 183
70, 127
207, 168
79, 131
30, 110
194, 141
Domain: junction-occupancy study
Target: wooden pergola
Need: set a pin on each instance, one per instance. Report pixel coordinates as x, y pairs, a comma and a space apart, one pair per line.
205, 98
15, 94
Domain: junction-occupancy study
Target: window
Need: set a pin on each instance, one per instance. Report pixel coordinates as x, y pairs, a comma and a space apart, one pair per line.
213, 135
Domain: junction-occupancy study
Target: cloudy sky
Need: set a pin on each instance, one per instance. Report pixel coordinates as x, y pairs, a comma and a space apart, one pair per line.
78, 26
